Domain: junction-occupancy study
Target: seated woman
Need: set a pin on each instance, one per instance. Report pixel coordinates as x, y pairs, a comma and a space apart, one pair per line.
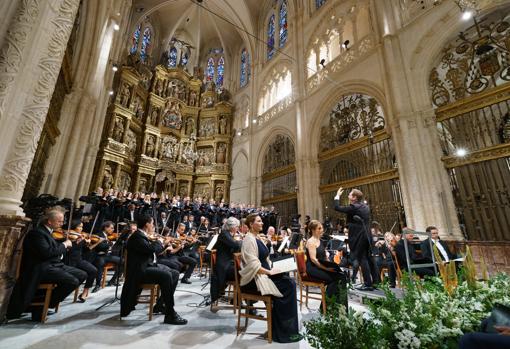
319, 268
257, 276
77, 258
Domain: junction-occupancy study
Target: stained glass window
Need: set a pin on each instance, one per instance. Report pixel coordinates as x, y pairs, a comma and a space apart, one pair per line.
146, 42
172, 58
135, 39
209, 73
319, 3
270, 37
220, 72
184, 59
245, 68
283, 23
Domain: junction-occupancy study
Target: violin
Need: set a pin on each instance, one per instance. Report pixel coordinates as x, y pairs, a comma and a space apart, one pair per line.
59, 235
113, 236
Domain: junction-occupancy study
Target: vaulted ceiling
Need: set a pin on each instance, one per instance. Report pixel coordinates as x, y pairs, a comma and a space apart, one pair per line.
210, 23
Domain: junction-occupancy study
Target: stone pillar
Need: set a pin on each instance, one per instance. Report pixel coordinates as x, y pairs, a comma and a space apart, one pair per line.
11, 234
33, 112
116, 175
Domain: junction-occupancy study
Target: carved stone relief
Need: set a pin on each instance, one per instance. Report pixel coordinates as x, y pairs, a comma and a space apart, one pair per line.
20, 156
124, 95
124, 181
131, 142
221, 153
169, 148
205, 157
207, 127
151, 146
107, 177
172, 116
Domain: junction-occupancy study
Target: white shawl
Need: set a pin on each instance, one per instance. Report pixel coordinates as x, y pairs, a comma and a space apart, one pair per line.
251, 265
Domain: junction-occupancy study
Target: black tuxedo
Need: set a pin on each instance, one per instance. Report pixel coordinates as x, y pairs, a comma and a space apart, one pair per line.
224, 268
141, 268
359, 238
41, 262
427, 252
131, 217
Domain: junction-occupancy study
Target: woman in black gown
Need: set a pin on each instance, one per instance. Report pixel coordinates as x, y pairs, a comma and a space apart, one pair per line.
318, 267
257, 275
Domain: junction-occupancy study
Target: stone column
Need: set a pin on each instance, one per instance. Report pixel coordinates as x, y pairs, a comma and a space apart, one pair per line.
116, 175
20, 154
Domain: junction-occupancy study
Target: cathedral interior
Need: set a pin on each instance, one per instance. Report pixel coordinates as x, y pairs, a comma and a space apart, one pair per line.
264, 103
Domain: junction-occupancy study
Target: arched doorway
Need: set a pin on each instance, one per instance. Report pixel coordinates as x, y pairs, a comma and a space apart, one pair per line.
356, 151
279, 183
470, 89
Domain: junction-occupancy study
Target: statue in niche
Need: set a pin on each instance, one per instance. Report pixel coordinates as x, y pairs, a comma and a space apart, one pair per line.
218, 193
190, 126
131, 141
172, 117
107, 177
139, 112
182, 93
151, 144
153, 119
125, 181
169, 148
118, 130
221, 153
136, 104
173, 88
124, 95
223, 125
142, 186
207, 127
183, 190
159, 87
192, 98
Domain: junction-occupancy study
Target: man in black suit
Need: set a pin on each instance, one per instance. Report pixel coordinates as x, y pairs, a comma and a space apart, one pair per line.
414, 257
358, 221
142, 268
224, 268
131, 214
444, 251
100, 255
176, 259
42, 263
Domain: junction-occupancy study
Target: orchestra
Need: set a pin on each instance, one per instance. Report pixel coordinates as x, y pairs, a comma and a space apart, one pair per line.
155, 239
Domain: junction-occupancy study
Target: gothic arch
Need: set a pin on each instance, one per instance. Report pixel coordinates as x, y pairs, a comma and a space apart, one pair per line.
275, 132
349, 87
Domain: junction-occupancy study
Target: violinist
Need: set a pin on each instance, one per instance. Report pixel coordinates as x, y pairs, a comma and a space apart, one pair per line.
77, 260
174, 257
142, 268
225, 247
42, 263
100, 254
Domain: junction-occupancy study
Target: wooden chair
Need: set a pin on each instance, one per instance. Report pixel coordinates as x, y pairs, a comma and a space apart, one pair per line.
46, 287
231, 288
204, 266
107, 266
305, 282
150, 298
251, 297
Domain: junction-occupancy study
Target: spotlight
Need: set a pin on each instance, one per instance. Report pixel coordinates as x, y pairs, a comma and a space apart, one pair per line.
254, 121
114, 67
461, 152
322, 63
110, 92
346, 44
116, 27
238, 133
466, 15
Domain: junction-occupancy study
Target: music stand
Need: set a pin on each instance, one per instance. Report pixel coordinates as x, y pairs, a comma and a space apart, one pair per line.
295, 239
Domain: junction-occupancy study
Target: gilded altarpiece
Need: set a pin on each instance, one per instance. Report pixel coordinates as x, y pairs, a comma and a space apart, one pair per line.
470, 89
356, 152
166, 132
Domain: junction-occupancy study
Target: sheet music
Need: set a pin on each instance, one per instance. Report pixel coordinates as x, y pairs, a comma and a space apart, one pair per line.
284, 243
210, 247
285, 265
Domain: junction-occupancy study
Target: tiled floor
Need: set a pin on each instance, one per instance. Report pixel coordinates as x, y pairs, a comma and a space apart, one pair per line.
81, 326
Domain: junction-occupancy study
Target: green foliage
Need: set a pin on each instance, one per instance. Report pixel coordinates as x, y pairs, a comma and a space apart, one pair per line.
427, 316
